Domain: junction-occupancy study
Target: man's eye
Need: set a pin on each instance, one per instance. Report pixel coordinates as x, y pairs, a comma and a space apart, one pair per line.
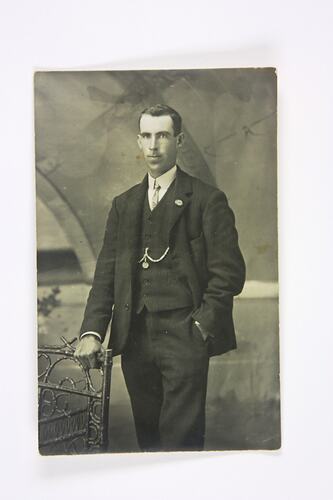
162, 135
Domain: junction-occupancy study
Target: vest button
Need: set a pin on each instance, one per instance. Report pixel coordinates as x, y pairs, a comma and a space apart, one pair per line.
127, 307
165, 332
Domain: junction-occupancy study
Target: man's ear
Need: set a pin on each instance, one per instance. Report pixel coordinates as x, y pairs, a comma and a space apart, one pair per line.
138, 138
180, 139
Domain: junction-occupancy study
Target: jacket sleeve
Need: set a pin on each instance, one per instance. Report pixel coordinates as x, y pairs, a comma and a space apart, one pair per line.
225, 263
101, 297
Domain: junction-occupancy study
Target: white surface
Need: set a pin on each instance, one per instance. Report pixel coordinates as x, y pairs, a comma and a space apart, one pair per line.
297, 38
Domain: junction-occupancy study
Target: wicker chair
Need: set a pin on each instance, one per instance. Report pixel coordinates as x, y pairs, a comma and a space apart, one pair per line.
73, 403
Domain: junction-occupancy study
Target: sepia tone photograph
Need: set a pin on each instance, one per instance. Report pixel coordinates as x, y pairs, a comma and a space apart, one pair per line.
156, 203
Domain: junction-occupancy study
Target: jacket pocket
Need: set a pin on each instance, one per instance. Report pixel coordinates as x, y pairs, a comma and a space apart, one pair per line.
198, 244
198, 337
198, 254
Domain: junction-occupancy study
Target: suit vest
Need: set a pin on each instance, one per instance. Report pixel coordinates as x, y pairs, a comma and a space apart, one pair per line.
158, 286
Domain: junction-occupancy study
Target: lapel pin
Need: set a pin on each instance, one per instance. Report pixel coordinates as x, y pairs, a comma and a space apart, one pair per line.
179, 203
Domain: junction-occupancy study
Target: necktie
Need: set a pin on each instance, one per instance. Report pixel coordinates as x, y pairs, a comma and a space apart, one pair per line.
155, 197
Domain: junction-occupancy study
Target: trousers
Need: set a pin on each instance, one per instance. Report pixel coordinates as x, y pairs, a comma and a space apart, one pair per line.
165, 367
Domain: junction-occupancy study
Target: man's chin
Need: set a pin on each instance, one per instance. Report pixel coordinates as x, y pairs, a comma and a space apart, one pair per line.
156, 170
155, 165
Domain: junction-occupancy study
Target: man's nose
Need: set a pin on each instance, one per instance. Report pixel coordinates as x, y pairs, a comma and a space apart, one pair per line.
152, 144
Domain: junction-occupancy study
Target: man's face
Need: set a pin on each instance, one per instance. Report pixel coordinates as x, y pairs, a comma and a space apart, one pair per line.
158, 143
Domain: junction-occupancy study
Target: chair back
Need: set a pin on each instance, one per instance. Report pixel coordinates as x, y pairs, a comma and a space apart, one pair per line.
73, 402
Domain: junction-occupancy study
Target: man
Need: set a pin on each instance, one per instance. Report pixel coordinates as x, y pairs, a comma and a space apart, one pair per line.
167, 273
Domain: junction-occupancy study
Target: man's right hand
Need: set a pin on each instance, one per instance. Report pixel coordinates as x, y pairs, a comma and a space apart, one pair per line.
89, 351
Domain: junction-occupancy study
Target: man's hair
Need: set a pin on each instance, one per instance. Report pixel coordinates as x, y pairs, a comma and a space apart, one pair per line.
164, 110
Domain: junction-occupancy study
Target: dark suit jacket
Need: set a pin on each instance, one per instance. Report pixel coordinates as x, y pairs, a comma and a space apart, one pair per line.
204, 247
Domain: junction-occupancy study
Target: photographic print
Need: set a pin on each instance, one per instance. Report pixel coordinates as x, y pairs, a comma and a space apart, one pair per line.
157, 260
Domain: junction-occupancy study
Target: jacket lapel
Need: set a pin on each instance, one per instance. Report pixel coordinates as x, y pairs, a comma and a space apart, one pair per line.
131, 218
183, 192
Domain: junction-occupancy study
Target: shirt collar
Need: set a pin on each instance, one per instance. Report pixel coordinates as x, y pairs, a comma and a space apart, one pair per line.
163, 180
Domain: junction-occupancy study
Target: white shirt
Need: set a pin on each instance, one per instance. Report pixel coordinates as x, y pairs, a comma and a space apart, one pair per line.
164, 181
